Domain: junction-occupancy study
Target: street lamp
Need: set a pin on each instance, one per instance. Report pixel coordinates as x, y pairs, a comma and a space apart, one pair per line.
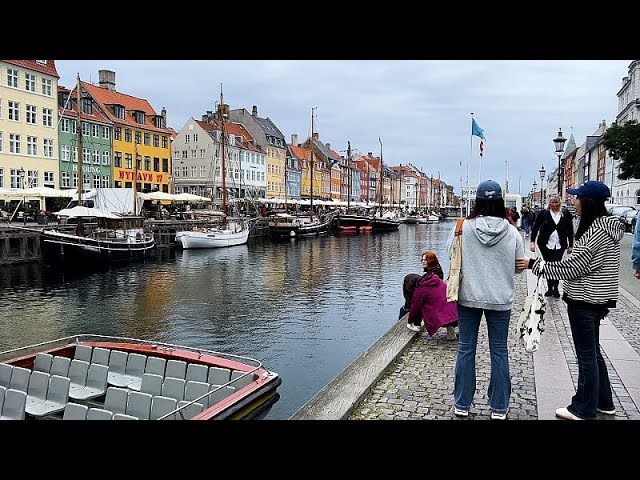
559, 143
535, 187
542, 173
21, 172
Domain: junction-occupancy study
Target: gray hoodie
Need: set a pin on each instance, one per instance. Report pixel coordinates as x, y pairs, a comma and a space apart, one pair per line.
490, 246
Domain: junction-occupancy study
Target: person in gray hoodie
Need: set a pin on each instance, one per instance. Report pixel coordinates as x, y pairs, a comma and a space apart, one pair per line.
591, 278
492, 253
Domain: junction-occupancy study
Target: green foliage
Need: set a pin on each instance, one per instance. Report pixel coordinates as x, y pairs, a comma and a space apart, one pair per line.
623, 143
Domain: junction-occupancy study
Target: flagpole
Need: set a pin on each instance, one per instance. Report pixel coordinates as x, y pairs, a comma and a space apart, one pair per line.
468, 168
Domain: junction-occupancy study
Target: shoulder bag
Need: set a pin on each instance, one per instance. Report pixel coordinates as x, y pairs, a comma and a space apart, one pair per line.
453, 279
531, 322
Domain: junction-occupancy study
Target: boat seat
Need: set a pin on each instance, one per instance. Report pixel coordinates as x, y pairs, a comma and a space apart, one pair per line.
151, 383
116, 400
57, 397
117, 365
123, 416
83, 352
239, 380
60, 366
100, 356
43, 361
176, 369
5, 374
99, 414
96, 384
195, 390
20, 378
220, 394
188, 410
78, 376
139, 405
38, 386
197, 372
14, 405
218, 376
133, 371
155, 366
173, 388
160, 406
75, 411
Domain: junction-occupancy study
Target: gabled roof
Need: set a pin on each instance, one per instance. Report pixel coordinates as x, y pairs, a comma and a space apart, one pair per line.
571, 146
270, 128
48, 69
300, 152
106, 97
232, 128
71, 109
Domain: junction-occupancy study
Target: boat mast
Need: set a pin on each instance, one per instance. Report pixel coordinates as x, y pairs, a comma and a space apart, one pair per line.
380, 204
79, 142
311, 148
224, 170
349, 173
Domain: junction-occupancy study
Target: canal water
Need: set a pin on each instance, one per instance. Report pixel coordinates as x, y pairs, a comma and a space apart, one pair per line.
305, 307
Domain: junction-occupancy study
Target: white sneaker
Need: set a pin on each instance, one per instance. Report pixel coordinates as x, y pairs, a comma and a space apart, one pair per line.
566, 414
458, 412
413, 327
607, 412
498, 416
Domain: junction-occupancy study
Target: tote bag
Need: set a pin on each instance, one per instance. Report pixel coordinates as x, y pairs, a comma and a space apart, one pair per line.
453, 279
531, 322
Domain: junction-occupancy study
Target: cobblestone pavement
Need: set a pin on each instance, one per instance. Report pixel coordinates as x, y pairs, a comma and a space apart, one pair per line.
419, 385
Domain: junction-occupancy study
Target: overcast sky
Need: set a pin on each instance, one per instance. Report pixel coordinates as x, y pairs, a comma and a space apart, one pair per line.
421, 109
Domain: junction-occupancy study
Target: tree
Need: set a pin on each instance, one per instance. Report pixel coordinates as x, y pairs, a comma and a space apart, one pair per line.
623, 143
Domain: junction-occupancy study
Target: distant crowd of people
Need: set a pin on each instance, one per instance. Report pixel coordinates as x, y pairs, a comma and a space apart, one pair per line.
587, 260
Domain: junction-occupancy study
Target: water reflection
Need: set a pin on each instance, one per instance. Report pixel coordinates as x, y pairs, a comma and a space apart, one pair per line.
305, 307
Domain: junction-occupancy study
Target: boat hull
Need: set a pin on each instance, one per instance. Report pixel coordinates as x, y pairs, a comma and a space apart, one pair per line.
212, 238
380, 224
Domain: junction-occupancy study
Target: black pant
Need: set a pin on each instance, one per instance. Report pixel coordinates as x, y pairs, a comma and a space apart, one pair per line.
552, 256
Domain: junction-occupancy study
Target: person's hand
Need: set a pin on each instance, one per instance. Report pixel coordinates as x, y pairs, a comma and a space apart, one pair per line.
532, 246
569, 250
636, 273
522, 263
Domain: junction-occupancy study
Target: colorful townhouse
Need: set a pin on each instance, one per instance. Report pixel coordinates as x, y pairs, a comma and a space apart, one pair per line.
272, 141
96, 135
141, 139
28, 124
293, 172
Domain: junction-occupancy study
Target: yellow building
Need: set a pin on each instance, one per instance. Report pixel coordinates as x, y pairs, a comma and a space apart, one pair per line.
28, 124
141, 139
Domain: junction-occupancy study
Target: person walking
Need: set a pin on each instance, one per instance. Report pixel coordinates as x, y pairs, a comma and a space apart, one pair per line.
635, 252
553, 229
526, 216
492, 253
591, 275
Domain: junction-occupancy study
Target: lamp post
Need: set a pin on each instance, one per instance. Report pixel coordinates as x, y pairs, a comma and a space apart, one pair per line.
542, 173
535, 187
21, 172
559, 143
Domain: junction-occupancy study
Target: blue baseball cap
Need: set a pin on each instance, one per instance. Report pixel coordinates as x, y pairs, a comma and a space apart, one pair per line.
489, 190
592, 188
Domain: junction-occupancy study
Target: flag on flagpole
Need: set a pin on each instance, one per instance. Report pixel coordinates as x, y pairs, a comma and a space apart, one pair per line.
481, 147
476, 130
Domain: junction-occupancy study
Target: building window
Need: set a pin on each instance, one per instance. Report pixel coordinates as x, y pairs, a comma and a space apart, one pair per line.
117, 133
147, 163
64, 125
14, 111
96, 157
87, 106
29, 82
74, 127
185, 172
156, 141
139, 116
106, 133
138, 137
31, 114
66, 179
117, 159
203, 171
187, 138
185, 154
105, 181
48, 179
47, 117
165, 164
32, 179
106, 157
14, 143
96, 181
139, 162
41, 62
86, 155
118, 111
86, 129
147, 138
128, 160
156, 164
46, 87
95, 130
48, 147
164, 142
65, 153
0, 141
12, 77
32, 146
75, 154
127, 135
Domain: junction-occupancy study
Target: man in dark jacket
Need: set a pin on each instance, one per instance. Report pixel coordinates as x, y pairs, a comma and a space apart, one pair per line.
553, 229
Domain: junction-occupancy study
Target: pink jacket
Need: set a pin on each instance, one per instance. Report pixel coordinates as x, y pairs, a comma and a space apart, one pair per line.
430, 302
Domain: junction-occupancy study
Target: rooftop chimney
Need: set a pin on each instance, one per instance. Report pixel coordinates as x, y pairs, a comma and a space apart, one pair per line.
164, 117
370, 154
254, 111
294, 139
328, 146
107, 79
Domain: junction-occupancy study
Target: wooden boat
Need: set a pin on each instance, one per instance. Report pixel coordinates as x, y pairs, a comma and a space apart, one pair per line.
99, 377
229, 235
286, 225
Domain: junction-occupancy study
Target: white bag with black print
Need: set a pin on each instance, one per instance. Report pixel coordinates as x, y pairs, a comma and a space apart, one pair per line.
531, 322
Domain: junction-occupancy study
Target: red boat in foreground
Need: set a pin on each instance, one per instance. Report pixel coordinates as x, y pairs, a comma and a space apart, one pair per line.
87, 377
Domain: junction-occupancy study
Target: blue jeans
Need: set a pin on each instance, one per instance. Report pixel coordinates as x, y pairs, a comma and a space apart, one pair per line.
594, 389
525, 226
465, 376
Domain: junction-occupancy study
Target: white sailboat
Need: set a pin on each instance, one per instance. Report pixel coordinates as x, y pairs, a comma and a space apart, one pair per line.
231, 232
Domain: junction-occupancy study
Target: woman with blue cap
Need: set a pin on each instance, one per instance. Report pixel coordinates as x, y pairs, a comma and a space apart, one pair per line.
492, 253
590, 287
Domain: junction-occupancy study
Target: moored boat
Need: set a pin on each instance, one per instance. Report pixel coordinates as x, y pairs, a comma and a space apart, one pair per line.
229, 235
286, 225
100, 377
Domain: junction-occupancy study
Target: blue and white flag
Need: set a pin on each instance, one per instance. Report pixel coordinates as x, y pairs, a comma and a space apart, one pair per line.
476, 130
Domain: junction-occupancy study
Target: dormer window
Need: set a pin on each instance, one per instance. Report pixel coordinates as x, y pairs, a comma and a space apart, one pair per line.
118, 111
138, 116
87, 106
41, 62
158, 121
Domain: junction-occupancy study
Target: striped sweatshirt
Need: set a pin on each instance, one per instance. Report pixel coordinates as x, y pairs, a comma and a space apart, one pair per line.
591, 271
